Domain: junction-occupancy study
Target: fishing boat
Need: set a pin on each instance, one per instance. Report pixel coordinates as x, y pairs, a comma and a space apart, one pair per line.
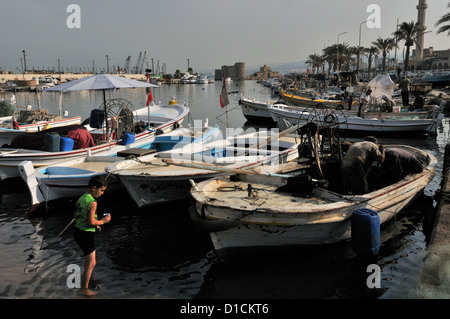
71, 178
164, 177
259, 210
256, 111
33, 121
162, 119
425, 123
309, 102
438, 80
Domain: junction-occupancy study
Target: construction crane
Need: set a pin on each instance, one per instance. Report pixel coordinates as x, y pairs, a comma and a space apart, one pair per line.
141, 69
127, 65
136, 69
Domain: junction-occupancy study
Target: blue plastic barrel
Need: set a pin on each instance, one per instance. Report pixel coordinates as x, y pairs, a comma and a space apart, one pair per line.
128, 138
96, 119
51, 142
365, 230
66, 144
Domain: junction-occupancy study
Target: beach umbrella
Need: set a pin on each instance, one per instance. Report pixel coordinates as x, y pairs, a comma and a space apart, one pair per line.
100, 82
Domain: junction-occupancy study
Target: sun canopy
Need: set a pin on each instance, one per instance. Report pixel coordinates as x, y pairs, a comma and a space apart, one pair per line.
99, 82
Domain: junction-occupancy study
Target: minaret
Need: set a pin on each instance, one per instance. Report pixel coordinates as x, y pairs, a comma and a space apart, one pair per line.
421, 8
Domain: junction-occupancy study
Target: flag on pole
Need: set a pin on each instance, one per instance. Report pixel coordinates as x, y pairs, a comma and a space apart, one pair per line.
149, 92
14, 122
224, 95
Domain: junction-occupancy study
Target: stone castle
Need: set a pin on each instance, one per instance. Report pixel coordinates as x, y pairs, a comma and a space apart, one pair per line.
237, 73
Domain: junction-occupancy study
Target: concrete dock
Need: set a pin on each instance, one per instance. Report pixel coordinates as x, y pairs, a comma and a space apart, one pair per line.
435, 277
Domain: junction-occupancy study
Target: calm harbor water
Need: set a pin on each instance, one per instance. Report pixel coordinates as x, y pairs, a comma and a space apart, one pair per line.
157, 253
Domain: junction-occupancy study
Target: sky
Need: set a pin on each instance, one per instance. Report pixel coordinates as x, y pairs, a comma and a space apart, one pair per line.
210, 33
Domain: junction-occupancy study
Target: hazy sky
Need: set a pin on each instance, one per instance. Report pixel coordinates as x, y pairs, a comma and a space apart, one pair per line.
210, 33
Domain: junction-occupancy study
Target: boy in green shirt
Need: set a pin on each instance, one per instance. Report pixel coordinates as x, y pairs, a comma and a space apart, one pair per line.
86, 223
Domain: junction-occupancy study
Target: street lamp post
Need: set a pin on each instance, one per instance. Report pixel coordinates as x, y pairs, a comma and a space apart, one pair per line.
107, 63
24, 61
359, 47
337, 48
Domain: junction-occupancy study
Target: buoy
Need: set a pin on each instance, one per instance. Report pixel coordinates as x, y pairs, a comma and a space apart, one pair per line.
365, 232
173, 101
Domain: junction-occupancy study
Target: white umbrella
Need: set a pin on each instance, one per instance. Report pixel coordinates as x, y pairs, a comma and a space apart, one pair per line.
99, 82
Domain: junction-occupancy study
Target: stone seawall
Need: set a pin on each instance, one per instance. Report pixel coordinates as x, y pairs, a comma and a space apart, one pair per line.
435, 279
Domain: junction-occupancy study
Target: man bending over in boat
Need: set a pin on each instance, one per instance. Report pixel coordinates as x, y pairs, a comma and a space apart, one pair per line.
364, 101
356, 164
388, 105
397, 164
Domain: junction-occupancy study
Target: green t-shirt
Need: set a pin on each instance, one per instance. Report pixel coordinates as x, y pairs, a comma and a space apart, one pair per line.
82, 212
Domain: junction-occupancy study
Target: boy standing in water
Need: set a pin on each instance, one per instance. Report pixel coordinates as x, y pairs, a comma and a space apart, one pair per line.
86, 223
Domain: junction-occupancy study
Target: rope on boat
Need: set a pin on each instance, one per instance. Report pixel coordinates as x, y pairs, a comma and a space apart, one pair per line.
217, 117
230, 188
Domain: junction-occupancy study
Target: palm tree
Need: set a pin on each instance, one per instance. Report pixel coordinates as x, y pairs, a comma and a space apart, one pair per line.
329, 55
408, 31
314, 61
445, 19
349, 53
359, 54
341, 58
372, 51
384, 45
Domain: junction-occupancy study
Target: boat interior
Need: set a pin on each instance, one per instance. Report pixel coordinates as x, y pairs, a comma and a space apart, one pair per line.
318, 165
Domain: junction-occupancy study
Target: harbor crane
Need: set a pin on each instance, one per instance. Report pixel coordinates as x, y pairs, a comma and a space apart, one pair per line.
136, 69
127, 64
141, 69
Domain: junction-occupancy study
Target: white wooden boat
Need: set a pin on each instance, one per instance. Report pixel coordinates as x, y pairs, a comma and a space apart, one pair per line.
203, 80
256, 111
70, 179
7, 133
163, 119
403, 122
247, 211
164, 177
